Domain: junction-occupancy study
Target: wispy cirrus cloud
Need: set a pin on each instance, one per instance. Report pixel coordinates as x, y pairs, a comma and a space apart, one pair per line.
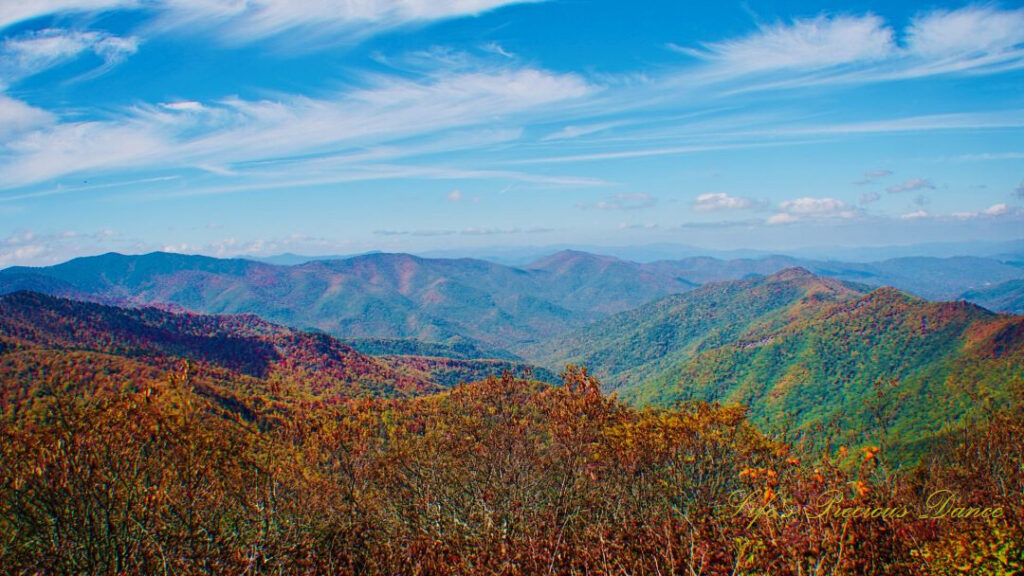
911, 185
570, 132
976, 39
307, 23
34, 52
234, 131
14, 12
801, 45
324, 21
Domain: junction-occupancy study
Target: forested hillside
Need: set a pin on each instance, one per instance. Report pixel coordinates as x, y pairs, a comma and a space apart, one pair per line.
46, 341
504, 476
809, 353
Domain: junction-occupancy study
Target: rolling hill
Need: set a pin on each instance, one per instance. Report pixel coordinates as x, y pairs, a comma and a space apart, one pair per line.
231, 355
805, 351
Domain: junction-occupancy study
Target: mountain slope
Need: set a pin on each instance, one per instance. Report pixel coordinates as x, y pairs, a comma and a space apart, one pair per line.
242, 346
241, 353
804, 351
632, 346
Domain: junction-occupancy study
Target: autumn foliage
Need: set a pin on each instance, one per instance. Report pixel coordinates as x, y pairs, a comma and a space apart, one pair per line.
504, 476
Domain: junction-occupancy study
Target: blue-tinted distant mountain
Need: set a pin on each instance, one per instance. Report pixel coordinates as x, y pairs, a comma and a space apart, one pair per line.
290, 259
1005, 297
644, 253
521, 255
996, 250
374, 295
931, 278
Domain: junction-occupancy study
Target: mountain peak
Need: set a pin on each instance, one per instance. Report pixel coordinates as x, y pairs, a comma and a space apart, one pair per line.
569, 258
793, 273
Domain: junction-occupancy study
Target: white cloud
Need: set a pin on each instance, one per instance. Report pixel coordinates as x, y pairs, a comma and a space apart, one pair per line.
803, 45
184, 106
17, 116
26, 247
495, 48
864, 49
350, 129
782, 218
720, 201
996, 210
570, 132
34, 52
454, 196
315, 21
910, 185
974, 31
917, 215
249, 20
809, 205
14, 11
67, 148
808, 208
993, 211
638, 226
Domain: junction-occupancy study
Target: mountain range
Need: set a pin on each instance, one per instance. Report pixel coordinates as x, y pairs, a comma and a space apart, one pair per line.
814, 351
491, 306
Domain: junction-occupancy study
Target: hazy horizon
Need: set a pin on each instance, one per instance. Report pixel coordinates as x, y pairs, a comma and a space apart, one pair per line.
519, 255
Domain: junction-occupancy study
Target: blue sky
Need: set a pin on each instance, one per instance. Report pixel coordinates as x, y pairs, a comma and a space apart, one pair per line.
234, 127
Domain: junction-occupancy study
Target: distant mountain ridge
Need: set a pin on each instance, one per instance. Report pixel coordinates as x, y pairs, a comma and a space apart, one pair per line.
1004, 297
369, 296
491, 306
